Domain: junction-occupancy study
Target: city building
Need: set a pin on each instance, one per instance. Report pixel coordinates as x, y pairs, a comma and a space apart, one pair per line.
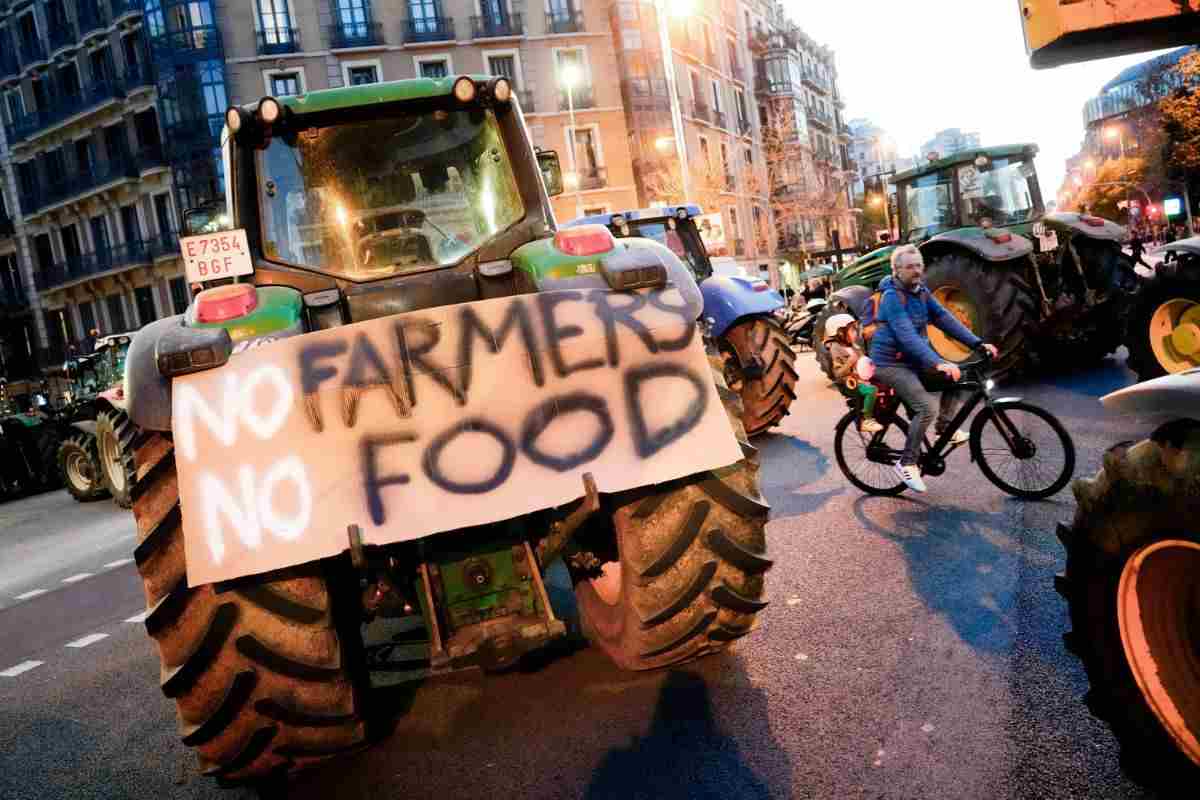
874, 155
559, 60
89, 239
948, 142
1115, 120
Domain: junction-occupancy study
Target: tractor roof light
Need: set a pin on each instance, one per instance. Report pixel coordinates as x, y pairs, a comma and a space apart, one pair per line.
500, 90
270, 110
235, 119
464, 89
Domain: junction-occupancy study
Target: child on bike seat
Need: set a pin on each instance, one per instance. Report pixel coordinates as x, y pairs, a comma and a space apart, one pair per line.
851, 367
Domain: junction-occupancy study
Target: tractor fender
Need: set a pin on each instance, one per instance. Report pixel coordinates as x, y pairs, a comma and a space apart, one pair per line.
1086, 225
729, 298
88, 426
851, 298
1170, 394
989, 244
147, 393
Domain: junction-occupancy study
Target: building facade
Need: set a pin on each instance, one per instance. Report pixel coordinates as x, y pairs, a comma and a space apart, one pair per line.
874, 155
91, 240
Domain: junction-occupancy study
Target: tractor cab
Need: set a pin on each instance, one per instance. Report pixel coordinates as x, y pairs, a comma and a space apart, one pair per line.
994, 187
673, 226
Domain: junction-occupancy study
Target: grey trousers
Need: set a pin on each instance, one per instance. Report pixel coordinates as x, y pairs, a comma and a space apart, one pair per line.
919, 401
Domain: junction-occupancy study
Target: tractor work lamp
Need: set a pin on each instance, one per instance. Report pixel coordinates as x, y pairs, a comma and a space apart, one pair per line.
182, 350
500, 90
631, 268
270, 111
235, 119
464, 89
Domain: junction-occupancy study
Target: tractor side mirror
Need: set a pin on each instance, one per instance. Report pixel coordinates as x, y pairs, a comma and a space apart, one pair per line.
206, 219
551, 172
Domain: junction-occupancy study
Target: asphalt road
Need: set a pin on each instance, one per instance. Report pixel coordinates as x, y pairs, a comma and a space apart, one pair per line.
912, 649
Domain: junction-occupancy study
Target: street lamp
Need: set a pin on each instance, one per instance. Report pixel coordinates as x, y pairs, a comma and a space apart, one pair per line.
1115, 132
570, 78
881, 200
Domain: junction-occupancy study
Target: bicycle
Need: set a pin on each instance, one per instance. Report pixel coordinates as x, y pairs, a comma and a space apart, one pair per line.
1028, 446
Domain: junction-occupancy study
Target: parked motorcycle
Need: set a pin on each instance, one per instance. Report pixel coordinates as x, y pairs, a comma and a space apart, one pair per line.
802, 323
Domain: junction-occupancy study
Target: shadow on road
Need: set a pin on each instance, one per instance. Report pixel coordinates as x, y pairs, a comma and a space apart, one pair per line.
795, 464
962, 564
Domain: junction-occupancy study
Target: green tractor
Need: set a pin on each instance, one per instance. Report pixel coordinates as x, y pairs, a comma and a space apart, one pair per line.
1044, 286
405, 394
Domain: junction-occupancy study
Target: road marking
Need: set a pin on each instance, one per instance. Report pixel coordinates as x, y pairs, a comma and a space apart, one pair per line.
91, 638
33, 593
75, 578
140, 617
118, 563
24, 666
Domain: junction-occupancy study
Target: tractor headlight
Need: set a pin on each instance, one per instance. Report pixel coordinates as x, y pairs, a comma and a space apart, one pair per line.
234, 119
464, 90
989, 384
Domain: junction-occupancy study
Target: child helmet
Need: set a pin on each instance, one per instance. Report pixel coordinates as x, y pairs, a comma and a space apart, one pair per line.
834, 324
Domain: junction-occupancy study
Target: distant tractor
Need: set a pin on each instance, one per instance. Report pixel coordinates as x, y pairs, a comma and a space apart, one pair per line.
1163, 335
741, 313
1044, 286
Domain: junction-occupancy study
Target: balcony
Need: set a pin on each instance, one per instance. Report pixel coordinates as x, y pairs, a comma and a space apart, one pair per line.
765, 85
737, 72
92, 18
355, 34
814, 79
83, 181
87, 99
62, 35
730, 182
593, 178
492, 27
718, 119
137, 76
32, 52
165, 245
743, 127
525, 98
818, 117
89, 264
646, 94
429, 29
701, 112
273, 41
124, 8
150, 157
564, 22
758, 40
579, 97
739, 247
201, 39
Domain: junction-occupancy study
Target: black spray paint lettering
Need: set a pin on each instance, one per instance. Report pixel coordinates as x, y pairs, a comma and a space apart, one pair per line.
628, 304
432, 462
411, 354
313, 373
372, 481
648, 442
367, 372
472, 326
656, 300
545, 413
556, 334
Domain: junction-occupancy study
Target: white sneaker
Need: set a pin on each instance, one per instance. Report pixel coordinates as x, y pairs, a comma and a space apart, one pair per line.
960, 437
910, 475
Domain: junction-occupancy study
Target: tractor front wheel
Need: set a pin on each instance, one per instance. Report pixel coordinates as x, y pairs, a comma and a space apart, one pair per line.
767, 393
1164, 329
1131, 590
259, 672
688, 577
115, 445
992, 300
80, 467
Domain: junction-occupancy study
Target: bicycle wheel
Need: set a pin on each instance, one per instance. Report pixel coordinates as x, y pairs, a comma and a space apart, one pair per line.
1023, 449
866, 459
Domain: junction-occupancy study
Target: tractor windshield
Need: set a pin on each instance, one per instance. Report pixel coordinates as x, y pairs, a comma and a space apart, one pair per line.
684, 241
401, 193
1004, 191
929, 205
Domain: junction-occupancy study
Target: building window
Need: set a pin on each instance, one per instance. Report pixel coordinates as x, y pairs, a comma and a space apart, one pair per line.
596, 211
162, 212
143, 298
285, 83
16, 106
749, 157
505, 65
437, 68
705, 155
360, 76
87, 315
116, 313
743, 117
586, 158
130, 226
355, 18
180, 296
570, 61
274, 21
100, 240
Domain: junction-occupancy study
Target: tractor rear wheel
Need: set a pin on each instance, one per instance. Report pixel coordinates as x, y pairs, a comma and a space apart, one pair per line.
688, 577
260, 676
992, 300
767, 397
80, 468
114, 444
1133, 553
1164, 328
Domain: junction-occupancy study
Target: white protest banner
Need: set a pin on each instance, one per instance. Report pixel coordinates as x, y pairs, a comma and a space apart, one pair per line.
436, 420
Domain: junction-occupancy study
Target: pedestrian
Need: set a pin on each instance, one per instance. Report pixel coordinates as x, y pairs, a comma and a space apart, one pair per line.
1136, 247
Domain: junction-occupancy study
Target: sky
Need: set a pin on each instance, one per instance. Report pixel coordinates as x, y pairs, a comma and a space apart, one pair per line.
917, 67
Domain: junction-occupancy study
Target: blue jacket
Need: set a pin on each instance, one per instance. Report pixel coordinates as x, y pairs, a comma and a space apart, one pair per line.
902, 324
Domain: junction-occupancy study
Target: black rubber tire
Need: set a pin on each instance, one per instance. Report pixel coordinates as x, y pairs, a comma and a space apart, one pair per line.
1133, 501
47, 448
119, 475
80, 446
692, 554
766, 400
1005, 301
846, 301
1154, 293
259, 674
979, 457
848, 422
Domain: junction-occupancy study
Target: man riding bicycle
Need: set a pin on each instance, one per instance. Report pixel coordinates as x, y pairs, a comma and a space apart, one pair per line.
901, 351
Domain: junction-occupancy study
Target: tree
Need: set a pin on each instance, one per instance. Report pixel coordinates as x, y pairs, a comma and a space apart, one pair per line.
1181, 116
